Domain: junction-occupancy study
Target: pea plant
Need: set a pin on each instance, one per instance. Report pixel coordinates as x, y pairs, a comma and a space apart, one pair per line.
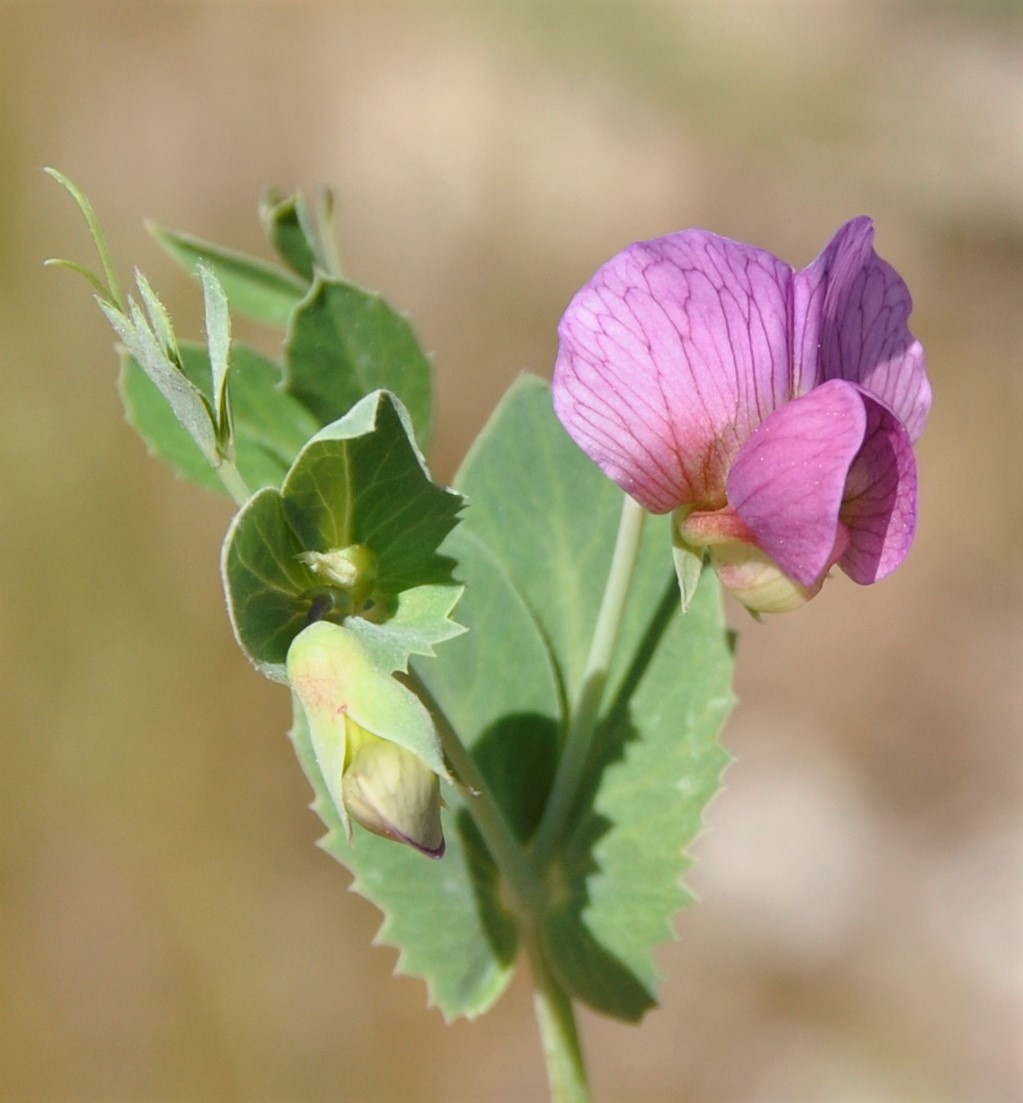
508, 693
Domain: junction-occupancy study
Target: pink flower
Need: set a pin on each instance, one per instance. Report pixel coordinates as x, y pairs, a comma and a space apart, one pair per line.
774, 411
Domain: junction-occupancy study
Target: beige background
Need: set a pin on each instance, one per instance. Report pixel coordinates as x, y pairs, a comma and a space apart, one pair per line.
169, 932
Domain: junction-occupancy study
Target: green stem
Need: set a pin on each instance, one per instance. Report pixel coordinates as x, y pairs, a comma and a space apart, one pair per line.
233, 482
508, 854
566, 1069
555, 1016
113, 288
583, 725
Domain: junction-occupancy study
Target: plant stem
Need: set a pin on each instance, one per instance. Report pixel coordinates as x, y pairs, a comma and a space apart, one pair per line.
566, 1069
233, 482
555, 1016
583, 724
508, 854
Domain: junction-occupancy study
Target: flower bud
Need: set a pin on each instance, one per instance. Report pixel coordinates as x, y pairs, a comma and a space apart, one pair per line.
757, 581
353, 569
374, 741
392, 793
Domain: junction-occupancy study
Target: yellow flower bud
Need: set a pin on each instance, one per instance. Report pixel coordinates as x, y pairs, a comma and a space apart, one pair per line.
375, 743
756, 580
391, 792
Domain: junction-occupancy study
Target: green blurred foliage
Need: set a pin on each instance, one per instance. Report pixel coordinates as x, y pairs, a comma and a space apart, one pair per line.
169, 930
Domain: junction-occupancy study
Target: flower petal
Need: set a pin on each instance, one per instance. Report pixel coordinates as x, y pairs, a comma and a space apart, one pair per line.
669, 358
850, 312
879, 509
787, 483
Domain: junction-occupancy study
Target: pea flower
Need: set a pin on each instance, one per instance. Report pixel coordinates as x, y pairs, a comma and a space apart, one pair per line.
774, 412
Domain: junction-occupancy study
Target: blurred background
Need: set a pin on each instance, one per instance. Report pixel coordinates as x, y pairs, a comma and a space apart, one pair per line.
169, 931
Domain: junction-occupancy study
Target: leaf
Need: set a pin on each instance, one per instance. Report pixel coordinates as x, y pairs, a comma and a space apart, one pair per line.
186, 401
270, 591
421, 620
302, 234
549, 519
620, 866
360, 481
159, 319
270, 427
218, 343
497, 685
260, 290
345, 342
285, 221
445, 917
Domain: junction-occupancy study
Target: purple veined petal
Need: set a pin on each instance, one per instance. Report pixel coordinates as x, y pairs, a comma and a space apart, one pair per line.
669, 358
880, 503
850, 315
787, 483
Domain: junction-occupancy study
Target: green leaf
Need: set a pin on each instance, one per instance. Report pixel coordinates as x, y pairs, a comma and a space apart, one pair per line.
549, 519
270, 427
302, 234
285, 221
620, 867
497, 685
445, 917
147, 342
254, 288
345, 342
218, 343
360, 481
421, 620
270, 591
159, 319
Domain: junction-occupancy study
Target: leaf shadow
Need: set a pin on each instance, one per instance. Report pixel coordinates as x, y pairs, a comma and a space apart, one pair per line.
517, 755
591, 972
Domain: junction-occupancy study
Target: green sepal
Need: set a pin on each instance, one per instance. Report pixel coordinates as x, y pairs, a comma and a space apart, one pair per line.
688, 562
338, 675
344, 342
254, 288
360, 480
269, 426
